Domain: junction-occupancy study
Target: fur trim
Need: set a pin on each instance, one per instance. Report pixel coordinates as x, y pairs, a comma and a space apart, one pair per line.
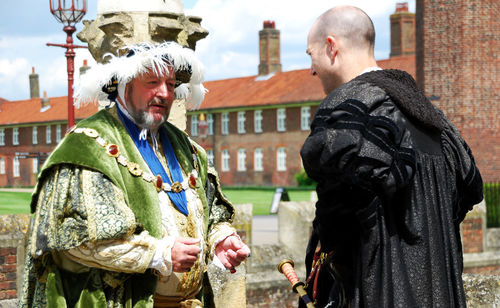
142, 57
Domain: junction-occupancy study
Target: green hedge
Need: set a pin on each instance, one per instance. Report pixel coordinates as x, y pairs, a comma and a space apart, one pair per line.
492, 199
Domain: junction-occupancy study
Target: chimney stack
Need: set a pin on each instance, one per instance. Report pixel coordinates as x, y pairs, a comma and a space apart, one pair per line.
34, 84
45, 101
84, 68
402, 31
269, 49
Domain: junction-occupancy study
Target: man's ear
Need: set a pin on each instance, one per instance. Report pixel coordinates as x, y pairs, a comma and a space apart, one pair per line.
332, 47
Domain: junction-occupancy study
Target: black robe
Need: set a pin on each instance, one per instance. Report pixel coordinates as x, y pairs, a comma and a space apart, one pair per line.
395, 179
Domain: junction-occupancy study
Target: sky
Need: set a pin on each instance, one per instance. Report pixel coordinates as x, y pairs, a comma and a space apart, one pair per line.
230, 50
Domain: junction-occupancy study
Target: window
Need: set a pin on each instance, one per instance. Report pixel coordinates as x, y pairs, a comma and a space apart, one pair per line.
15, 136
2, 136
281, 118
224, 123
210, 123
35, 165
210, 156
35, 135
305, 118
194, 125
241, 122
257, 160
281, 159
47, 134
2, 165
242, 157
58, 132
16, 166
257, 121
225, 160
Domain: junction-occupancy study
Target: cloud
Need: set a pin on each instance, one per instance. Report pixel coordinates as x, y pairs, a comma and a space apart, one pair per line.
231, 48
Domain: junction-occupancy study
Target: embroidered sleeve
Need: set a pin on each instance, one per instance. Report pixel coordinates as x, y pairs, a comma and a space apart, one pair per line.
76, 206
130, 255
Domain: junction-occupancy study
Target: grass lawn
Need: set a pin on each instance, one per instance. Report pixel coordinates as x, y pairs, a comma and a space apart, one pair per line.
18, 202
14, 202
261, 198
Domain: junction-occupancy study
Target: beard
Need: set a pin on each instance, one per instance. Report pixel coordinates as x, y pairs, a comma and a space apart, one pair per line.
142, 117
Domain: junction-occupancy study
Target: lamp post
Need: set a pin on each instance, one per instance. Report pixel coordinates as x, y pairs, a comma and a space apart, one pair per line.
69, 12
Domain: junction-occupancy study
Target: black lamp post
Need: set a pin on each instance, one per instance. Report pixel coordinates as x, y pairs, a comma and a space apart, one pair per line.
69, 12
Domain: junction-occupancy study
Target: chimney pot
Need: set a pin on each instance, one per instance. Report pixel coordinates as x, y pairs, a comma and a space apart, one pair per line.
401, 7
34, 84
45, 101
85, 62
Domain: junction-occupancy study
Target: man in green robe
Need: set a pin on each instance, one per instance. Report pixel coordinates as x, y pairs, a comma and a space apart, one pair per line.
127, 211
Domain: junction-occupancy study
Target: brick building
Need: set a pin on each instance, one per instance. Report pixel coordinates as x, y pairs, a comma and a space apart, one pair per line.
29, 131
253, 127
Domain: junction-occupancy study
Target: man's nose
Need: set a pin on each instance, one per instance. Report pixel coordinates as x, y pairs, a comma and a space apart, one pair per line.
163, 91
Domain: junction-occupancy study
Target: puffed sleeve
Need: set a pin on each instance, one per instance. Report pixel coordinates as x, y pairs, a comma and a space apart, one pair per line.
349, 143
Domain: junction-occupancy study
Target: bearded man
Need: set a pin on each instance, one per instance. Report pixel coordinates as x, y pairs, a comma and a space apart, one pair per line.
127, 211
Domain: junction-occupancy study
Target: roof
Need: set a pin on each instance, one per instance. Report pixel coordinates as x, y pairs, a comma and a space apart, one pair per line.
404, 63
30, 111
281, 88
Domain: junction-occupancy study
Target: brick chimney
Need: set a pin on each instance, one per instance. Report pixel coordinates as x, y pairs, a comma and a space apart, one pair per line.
402, 31
45, 102
84, 68
269, 49
34, 84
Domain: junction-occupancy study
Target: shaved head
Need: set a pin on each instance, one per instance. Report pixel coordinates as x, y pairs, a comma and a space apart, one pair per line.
348, 23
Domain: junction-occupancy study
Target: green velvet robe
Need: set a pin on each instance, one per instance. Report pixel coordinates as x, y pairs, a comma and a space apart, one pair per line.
62, 223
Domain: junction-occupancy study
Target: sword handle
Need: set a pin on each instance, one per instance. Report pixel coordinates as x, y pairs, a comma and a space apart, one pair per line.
286, 268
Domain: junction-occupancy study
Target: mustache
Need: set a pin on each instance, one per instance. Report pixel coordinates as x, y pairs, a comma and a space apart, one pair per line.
158, 101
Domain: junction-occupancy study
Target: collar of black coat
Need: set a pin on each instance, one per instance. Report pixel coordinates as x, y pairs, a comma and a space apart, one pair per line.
403, 90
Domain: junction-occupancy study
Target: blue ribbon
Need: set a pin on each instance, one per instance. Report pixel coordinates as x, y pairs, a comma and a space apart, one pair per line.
178, 199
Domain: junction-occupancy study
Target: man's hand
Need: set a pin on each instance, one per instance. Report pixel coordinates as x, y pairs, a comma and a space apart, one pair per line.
232, 251
184, 253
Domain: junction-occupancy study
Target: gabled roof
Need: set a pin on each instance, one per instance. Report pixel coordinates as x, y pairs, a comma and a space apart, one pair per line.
281, 88
30, 111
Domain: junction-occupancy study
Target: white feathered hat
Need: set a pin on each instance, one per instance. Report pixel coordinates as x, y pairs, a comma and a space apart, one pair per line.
105, 80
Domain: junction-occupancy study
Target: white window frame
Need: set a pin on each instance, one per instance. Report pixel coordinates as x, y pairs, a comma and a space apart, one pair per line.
48, 132
242, 160
35, 165
58, 132
281, 119
225, 160
2, 165
305, 118
15, 136
210, 123
15, 167
281, 159
224, 120
2, 136
257, 121
210, 156
258, 158
194, 125
34, 137
241, 122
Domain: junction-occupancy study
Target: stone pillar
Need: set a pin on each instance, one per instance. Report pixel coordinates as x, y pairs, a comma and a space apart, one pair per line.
125, 22
295, 226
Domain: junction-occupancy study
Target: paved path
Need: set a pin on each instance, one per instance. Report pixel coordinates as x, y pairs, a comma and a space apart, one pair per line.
17, 189
265, 229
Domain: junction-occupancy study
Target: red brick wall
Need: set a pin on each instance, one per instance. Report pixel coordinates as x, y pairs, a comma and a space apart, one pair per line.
8, 276
458, 65
472, 235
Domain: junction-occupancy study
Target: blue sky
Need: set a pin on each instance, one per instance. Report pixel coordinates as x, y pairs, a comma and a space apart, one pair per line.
230, 50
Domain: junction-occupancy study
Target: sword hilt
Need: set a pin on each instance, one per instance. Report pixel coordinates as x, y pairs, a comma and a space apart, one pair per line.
286, 268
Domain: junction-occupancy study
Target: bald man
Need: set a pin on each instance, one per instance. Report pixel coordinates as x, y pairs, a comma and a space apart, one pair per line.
395, 179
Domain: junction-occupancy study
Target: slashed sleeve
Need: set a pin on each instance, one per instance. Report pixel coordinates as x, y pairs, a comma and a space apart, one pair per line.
351, 144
